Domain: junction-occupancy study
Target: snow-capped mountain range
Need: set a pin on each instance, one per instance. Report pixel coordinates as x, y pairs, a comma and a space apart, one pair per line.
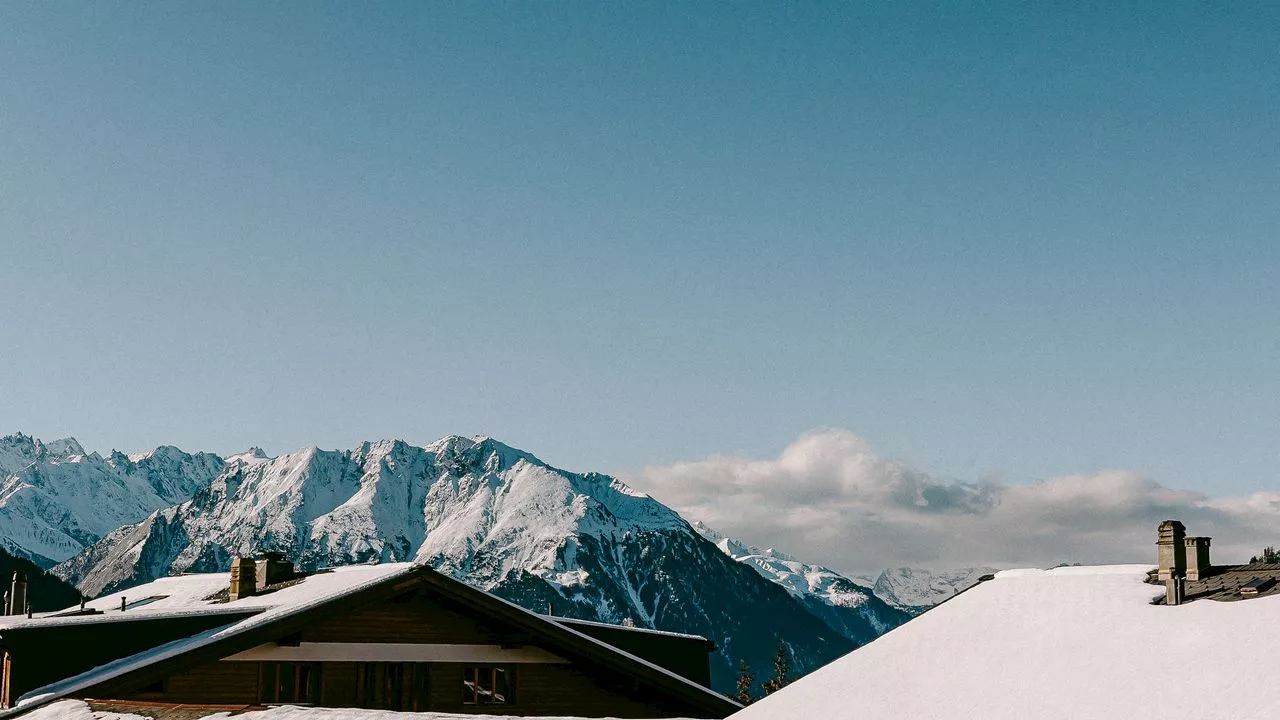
585, 545
56, 499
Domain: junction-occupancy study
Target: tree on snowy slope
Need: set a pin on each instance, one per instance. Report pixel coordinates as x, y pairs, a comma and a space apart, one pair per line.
746, 679
781, 669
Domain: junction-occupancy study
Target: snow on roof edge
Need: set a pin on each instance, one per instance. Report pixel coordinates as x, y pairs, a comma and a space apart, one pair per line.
1130, 569
40, 696
611, 626
108, 671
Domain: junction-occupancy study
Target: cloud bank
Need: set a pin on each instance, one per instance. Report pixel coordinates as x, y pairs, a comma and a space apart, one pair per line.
828, 498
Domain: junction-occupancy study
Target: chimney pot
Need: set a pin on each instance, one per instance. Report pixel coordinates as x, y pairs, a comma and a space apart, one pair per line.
18, 594
273, 567
243, 578
1171, 551
1197, 554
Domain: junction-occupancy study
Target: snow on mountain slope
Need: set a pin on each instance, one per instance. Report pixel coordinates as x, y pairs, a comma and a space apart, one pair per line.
496, 517
18, 451
851, 608
55, 499
914, 590
253, 456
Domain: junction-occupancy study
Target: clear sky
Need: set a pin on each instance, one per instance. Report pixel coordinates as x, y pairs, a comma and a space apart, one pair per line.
1016, 238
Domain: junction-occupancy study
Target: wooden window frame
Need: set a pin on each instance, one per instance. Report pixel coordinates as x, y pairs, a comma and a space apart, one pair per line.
400, 686
6, 670
472, 675
269, 682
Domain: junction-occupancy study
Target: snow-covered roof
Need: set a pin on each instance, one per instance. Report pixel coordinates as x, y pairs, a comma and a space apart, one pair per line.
191, 594
1072, 642
314, 590
185, 595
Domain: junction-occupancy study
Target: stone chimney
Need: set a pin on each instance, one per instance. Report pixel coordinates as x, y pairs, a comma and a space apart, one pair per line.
273, 567
1171, 550
1197, 557
18, 594
243, 577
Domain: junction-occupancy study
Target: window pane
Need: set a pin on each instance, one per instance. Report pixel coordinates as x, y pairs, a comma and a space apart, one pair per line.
420, 688
470, 690
500, 685
364, 685
268, 687
285, 684
305, 678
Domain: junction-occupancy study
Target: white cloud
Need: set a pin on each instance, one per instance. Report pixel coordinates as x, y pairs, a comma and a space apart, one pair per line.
828, 498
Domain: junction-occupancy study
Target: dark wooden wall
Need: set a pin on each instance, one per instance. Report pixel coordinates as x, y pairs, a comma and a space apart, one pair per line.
415, 619
685, 656
46, 654
541, 688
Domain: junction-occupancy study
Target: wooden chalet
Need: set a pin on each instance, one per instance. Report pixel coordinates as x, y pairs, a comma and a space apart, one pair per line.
392, 636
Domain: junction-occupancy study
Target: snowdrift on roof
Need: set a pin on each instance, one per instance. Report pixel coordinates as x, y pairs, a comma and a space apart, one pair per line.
1082, 643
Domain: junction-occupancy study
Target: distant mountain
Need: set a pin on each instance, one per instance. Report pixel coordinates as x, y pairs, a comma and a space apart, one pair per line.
55, 499
45, 592
502, 520
842, 603
913, 590
851, 605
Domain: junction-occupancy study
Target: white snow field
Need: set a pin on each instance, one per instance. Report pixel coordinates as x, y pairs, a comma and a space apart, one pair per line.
1076, 642
78, 710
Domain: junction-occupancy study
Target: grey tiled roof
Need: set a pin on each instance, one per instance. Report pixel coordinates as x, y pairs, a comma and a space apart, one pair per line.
1223, 582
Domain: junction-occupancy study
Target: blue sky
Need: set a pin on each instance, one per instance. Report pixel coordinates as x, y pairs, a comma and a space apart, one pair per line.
1008, 239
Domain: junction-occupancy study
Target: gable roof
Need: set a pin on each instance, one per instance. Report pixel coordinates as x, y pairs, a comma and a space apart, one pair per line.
1084, 643
292, 608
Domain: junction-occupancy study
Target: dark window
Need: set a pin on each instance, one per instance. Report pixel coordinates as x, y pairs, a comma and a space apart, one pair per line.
392, 686
489, 685
144, 601
286, 682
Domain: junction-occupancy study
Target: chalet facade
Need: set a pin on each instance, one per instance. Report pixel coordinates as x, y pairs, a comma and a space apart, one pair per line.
395, 636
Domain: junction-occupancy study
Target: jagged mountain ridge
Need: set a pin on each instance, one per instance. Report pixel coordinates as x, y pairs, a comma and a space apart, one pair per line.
896, 593
56, 499
914, 590
842, 603
488, 514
